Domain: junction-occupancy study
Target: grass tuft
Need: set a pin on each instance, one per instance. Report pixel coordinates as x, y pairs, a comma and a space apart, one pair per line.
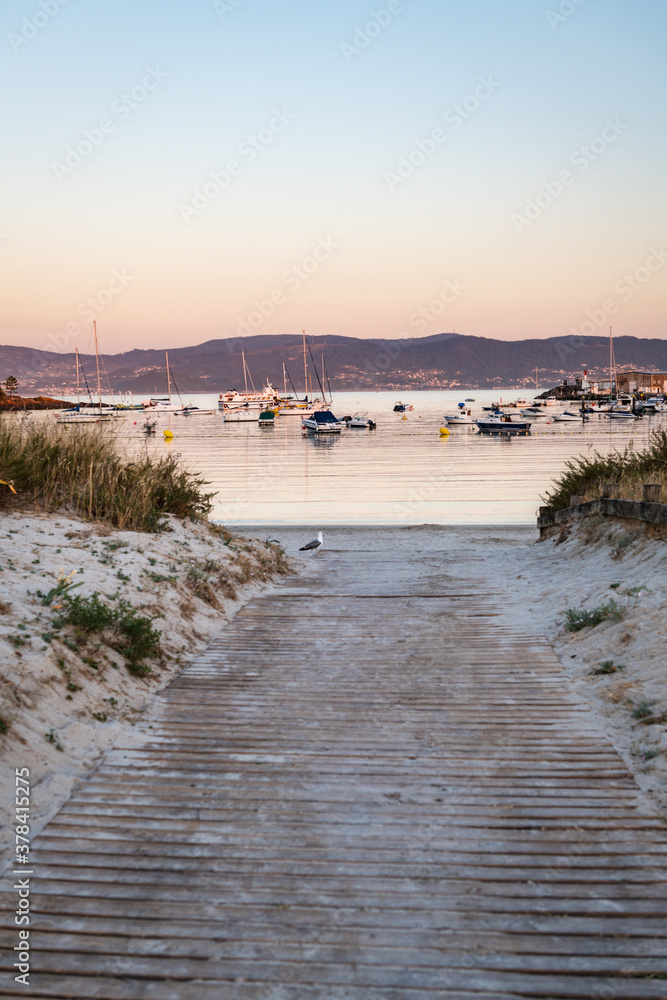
131, 634
585, 476
81, 471
578, 618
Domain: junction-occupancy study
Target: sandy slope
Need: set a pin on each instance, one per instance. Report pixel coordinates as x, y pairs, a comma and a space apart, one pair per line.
53, 684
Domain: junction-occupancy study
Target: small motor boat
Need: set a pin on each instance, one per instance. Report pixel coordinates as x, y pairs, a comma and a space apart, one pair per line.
503, 424
322, 422
402, 407
360, 420
567, 417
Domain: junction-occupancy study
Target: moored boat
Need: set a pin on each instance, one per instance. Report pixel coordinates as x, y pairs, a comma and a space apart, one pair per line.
322, 422
503, 424
360, 420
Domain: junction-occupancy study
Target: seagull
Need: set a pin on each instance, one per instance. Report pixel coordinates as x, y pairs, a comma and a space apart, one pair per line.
315, 545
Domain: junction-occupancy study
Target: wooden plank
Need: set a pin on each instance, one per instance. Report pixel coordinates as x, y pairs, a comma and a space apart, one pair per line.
368, 796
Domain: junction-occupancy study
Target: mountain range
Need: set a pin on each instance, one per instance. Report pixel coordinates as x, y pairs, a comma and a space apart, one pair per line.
442, 361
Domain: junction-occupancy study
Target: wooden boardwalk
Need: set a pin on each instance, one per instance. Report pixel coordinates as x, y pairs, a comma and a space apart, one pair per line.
360, 791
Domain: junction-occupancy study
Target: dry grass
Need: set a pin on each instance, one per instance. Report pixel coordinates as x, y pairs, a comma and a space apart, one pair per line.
80, 471
630, 469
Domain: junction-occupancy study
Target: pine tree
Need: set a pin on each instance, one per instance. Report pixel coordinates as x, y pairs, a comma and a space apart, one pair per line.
11, 384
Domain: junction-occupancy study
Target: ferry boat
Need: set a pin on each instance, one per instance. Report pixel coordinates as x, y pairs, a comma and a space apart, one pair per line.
268, 397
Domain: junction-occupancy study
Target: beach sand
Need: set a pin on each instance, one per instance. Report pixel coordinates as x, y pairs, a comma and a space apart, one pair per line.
51, 689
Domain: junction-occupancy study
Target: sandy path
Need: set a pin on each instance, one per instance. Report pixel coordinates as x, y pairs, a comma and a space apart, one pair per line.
373, 783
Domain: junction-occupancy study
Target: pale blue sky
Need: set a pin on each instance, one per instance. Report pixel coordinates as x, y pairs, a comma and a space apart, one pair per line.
325, 174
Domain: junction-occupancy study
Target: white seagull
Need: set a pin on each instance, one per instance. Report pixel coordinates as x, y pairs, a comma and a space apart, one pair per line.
315, 545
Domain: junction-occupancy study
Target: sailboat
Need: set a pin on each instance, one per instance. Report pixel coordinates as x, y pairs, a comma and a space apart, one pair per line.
163, 404
304, 407
91, 414
616, 411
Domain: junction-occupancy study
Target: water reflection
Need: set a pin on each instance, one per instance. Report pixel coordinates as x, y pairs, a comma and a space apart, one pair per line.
402, 473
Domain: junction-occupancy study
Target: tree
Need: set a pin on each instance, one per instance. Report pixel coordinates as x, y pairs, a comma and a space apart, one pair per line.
11, 384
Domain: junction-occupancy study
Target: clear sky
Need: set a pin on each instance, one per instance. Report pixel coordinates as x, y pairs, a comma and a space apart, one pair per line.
190, 170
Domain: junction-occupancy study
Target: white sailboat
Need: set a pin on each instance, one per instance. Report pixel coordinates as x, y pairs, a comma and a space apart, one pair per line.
91, 414
303, 407
162, 404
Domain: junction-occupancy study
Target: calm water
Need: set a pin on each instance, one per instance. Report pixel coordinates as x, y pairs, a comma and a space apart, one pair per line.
402, 473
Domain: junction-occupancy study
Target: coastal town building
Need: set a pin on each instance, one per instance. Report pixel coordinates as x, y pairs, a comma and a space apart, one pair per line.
634, 381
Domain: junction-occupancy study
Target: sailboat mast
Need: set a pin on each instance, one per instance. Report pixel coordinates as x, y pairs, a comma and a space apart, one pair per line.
97, 361
78, 400
245, 370
284, 382
166, 358
305, 364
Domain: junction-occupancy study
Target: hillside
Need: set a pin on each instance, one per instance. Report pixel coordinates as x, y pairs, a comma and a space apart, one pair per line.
446, 360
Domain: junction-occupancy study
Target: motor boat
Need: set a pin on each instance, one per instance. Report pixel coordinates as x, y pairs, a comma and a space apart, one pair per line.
534, 411
193, 411
322, 422
402, 407
254, 400
503, 424
462, 417
240, 415
618, 413
360, 420
567, 417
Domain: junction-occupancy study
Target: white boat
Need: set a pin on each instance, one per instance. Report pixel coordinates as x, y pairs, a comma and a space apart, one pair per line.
268, 397
194, 411
621, 414
464, 417
241, 415
360, 420
90, 414
164, 404
322, 422
534, 411
503, 424
551, 401
567, 417
232, 399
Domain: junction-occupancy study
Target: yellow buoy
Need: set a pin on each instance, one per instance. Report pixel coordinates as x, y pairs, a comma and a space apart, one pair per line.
444, 432
404, 418
168, 435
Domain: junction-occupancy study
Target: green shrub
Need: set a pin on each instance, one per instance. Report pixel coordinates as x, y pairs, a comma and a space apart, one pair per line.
578, 618
131, 634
